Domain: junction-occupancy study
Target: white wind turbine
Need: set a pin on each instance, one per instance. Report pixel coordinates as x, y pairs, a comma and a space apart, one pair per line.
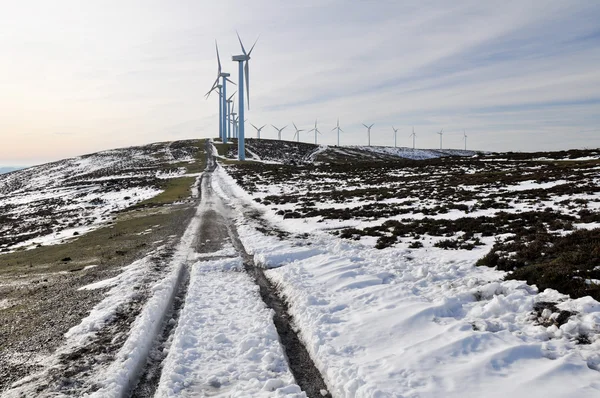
413, 135
369, 131
297, 134
465, 138
395, 136
338, 128
316, 130
258, 129
441, 133
279, 130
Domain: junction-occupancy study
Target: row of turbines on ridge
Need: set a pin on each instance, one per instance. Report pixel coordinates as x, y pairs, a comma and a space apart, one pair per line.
339, 129
231, 124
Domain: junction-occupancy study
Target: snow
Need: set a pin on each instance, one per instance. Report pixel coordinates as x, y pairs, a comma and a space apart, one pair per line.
225, 343
381, 323
417, 154
80, 194
131, 358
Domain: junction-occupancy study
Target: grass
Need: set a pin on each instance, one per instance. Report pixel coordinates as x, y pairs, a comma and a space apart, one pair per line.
116, 244
175, 189
222, 149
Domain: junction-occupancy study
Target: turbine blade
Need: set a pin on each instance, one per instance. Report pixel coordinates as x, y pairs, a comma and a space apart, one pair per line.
230, 81
341, 130
253, 126
218, 58
263, 126
252, 48
247, 70
241, 44
295, 126
372, 124
335, 128
232, 96
365, 125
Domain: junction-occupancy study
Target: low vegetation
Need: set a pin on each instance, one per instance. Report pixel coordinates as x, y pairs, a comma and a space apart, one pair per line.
532, 204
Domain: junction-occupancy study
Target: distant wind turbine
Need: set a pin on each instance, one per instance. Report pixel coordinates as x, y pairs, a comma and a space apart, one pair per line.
413, 135
316, 130
258, 129
279, 130
222, 96
337, 127
369, 131
297, 134
441, 133
234, 124
465, 138
243, 68
218, 87
395, 136
228, 119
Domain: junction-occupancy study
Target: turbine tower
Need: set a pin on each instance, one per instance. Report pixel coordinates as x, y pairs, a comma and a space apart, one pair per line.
297, 135
465, 138
316, 130
413, 135
337, 127
223, 93
234, 124
441, 133
279, 130
229, 103
369, 131
243, 66
258, 129
395, 136
217, 86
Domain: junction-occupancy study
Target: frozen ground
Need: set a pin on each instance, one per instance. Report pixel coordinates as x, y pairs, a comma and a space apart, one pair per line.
425, 321
51, 203
379, 314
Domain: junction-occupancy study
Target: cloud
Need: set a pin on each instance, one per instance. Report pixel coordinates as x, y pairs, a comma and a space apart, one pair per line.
516, 75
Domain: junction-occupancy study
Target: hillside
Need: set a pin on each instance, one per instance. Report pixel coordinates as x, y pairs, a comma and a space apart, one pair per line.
172, 269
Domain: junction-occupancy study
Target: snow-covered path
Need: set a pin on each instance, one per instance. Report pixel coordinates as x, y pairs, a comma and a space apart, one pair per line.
225, 343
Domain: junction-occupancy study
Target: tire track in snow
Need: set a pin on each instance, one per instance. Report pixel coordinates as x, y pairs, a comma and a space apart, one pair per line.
300, 363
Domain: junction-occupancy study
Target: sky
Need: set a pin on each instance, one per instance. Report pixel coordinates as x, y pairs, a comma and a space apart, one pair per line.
81, 76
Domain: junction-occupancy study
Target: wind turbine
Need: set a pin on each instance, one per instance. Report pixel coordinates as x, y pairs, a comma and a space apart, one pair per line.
229, 103
316, 130
441, 133
297, 132
234, 124
258, 129
223, 93
279, 130
465, 138
395, 136
369, 131
217, 86
243, 66
337, 127
413, 135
